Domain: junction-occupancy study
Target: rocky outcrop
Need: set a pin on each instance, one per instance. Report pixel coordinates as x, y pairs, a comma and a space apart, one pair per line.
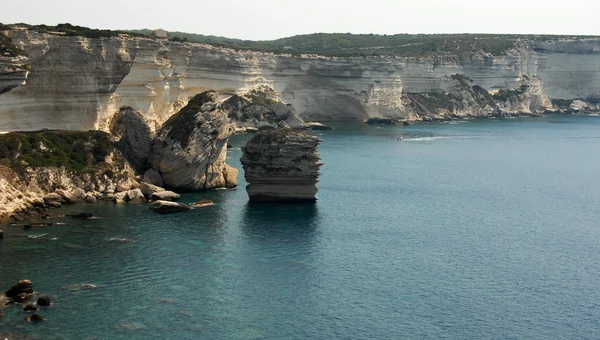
70, 167
282, 165
262, 104
79, 83
190, 148
133, 137
459, 98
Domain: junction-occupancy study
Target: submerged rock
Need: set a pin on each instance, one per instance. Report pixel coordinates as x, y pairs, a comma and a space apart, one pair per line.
81, 216
189, 150
282, 165
167, 207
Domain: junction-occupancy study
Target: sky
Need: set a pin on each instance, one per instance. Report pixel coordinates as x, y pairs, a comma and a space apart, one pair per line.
272, 19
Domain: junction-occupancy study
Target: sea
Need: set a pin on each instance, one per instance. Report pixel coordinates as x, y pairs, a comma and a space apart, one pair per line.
485, 229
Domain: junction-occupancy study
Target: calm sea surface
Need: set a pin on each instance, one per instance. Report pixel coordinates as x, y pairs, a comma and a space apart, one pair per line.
474, 230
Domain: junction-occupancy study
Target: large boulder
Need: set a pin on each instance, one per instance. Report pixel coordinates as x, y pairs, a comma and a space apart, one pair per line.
189, 150
167, 207
165, 196
67, 197
149, 189
135, 196
133, 136
282, 165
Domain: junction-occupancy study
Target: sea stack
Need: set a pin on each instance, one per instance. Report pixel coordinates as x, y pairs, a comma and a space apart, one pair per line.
282, 166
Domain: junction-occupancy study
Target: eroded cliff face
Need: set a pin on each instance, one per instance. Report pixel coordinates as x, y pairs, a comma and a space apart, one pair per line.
189, 150
80, 83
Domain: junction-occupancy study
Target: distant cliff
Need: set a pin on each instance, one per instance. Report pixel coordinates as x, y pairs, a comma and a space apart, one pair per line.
63, 81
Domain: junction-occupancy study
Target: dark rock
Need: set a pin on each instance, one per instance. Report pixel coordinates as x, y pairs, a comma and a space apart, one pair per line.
21, 287
133, 136
167, 207
381, 121
405, 123
35, 318
23, 297
1, 234
82, 216
30, 308
43, 301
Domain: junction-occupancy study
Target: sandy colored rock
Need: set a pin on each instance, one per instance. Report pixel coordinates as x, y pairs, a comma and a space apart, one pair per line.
167, 207
135, 196
149, 189
165, 196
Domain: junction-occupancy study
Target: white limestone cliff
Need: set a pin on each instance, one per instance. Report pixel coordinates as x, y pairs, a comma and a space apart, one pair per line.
67, 82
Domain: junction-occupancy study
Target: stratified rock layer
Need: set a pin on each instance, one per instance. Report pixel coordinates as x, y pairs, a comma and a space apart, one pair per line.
189, 150
282, 165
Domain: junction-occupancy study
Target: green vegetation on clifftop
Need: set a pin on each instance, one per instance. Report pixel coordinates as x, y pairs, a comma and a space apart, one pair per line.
346, 44
75, 150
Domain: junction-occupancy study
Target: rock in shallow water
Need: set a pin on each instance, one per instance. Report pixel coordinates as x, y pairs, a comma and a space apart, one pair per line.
165, 196
282, 166
21, 287
167, 207
43, 301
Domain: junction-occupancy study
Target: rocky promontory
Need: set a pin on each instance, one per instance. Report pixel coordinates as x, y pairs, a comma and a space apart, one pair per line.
189, 150
282, 166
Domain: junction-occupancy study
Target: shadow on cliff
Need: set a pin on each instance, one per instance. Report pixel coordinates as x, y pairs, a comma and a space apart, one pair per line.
281, 221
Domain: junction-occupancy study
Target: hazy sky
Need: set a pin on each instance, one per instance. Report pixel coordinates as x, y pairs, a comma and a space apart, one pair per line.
271, 19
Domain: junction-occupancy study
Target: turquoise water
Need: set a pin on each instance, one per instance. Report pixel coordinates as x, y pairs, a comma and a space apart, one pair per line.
486, 229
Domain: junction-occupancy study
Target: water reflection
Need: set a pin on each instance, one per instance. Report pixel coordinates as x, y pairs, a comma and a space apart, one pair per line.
280, 220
